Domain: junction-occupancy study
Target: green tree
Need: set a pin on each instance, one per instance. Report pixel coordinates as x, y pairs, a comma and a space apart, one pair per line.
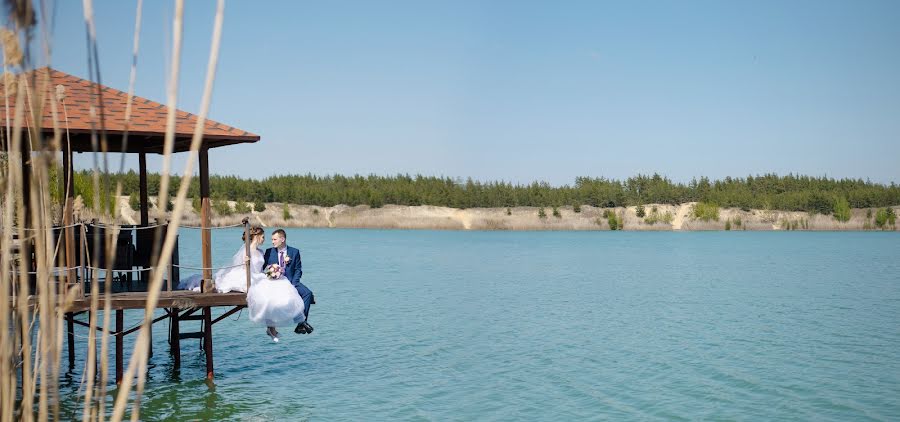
556, 213
134, 202
241, 207
259, 206
705, 211
221, 207
612, 221
640, 211
542, 213
286, 212
885, 217
841, 209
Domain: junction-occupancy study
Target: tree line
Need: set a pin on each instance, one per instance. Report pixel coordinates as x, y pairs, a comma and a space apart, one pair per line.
768, 191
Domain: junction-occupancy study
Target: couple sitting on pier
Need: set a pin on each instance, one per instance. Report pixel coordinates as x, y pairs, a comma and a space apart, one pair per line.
276, 296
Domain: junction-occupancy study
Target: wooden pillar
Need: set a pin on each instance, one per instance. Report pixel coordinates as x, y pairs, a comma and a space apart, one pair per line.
70, 326
120, 326
175, 340
208, 341
25, 244
206, 238
69, 218
142, 180
247, 248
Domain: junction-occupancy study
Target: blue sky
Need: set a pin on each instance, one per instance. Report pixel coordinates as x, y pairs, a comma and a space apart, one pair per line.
523, 91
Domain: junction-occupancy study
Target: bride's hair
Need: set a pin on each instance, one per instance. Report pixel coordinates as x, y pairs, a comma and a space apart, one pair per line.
254, 231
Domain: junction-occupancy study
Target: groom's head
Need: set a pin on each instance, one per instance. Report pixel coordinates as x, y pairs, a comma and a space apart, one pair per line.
278, 238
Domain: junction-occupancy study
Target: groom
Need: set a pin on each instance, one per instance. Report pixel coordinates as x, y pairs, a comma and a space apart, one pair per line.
289, 259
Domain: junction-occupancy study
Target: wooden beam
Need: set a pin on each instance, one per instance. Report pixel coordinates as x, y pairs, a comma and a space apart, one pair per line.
120, 325
208, 341
175, 339
69, 218
205, 236
145, 199
70, 330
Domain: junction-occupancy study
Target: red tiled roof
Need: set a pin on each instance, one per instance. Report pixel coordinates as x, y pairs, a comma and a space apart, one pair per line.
148, 118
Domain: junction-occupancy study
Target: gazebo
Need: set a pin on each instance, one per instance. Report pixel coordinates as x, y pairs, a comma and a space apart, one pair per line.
85, 111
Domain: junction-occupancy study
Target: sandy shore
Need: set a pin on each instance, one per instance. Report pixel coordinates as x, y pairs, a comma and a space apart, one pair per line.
668, 218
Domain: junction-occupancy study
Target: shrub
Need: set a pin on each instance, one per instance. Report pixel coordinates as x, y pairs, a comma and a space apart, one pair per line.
542, 213
508, 211
738, 221
605, 213
868, 214
134, 202
612, 221
728, 224
259, 206
556, 213
170, 206
841, 209
315, 211
286, 212
241, 207
576, 208
221, 207
640, 211
706, 211
195, 202
885, 217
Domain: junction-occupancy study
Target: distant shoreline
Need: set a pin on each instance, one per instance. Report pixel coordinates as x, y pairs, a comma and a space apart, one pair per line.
657, 217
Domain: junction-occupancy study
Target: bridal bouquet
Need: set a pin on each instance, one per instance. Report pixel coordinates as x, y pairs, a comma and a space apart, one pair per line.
274, 271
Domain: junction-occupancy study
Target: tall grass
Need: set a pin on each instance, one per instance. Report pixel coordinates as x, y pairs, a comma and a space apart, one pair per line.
29, 372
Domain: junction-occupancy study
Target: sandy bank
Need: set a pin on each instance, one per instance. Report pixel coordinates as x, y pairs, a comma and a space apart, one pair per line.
657, 217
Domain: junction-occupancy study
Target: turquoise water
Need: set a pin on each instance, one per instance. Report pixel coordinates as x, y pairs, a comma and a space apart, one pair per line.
433, 325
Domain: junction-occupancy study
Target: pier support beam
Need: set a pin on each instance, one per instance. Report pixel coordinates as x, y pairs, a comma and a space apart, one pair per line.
70, 331
175, 339
207, 341
120, 327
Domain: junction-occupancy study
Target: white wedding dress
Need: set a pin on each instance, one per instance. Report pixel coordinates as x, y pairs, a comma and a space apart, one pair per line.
273, 303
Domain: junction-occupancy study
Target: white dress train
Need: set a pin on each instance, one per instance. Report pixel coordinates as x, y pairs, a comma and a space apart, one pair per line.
273, 303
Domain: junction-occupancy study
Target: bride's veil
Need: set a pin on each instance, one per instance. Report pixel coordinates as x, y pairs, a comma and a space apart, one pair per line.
238, 259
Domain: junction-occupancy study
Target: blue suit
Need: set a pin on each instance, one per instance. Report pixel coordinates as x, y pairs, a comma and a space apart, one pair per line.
293, 270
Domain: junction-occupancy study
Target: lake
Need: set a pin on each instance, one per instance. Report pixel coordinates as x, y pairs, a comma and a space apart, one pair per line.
447, 325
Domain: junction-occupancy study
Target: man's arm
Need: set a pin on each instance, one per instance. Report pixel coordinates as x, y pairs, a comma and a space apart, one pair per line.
298, 271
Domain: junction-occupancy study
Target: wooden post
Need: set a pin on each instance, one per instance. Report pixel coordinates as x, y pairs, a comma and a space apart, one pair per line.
120, 327
69, 218
175, 341
247, 248
25, 244
142, 181
70, 325
205, 235
207, 341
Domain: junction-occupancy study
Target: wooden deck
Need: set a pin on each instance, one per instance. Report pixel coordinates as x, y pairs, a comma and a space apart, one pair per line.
178, 299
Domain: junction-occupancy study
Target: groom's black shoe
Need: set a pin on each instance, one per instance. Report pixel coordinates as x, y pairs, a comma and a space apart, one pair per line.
303, 328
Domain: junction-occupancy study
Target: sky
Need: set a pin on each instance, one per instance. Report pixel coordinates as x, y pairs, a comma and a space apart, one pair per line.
524, 91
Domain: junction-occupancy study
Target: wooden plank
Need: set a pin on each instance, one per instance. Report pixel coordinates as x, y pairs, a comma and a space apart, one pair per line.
138, 300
